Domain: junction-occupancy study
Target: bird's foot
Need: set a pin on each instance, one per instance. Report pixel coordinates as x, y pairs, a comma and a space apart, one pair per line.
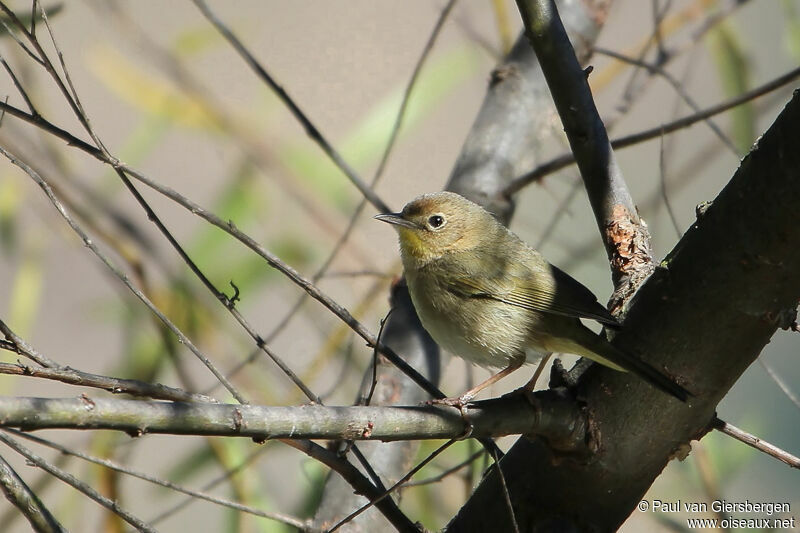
460, 403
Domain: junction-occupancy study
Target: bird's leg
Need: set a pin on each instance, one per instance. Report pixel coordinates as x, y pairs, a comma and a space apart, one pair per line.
461, 401
530, 385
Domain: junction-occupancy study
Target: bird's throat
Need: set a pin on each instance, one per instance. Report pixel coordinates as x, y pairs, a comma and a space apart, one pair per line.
412, 247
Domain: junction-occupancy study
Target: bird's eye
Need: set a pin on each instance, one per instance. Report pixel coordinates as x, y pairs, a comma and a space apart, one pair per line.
436, 221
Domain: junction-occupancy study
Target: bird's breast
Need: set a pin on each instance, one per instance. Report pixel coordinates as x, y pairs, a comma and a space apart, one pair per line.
481, 330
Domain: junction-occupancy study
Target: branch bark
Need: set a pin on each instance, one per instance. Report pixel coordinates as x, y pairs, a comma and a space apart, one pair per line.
23, 498
625, 235
555, 416
705, 314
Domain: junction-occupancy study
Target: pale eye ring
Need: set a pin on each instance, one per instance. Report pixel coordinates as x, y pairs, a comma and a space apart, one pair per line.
436, 222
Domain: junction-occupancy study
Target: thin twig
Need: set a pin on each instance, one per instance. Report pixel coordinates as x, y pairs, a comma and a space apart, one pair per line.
561, 211
26, 501
54, 371
229, 473
18, 85
446, 473
398, 122
394, 487
357, 480
564, 160
69, 92
11, 17
755, 442
87, 241
310, 128
75, 483
780, 382
677, 86
368, 398
230, 228
633, 90
506, 494
662, 175
18, 345
135, 387
279, 517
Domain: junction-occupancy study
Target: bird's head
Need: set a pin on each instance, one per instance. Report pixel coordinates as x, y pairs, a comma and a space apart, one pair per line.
436, 224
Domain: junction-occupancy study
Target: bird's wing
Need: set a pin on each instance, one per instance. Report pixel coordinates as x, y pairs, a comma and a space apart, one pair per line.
565, 296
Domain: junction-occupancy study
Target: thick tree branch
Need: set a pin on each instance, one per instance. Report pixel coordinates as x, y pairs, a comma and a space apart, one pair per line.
705, 315
547, 413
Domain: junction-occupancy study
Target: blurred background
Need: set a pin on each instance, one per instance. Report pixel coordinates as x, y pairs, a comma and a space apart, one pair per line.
169, 97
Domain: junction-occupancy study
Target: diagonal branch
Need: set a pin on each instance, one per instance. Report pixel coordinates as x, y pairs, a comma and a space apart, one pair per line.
557, 163
23, 498
626, 238
309, 126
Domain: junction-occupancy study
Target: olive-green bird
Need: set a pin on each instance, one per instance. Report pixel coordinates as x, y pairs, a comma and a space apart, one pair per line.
485, 295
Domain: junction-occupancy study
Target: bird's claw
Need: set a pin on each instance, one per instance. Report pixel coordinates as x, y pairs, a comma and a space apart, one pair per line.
460, 403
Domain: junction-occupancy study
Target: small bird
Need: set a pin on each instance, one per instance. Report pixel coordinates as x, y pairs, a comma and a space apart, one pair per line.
485, 295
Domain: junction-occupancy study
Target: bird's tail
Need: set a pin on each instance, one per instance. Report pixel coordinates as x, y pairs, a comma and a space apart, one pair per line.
598, 349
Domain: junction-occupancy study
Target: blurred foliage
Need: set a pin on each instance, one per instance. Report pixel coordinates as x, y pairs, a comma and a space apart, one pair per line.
247, 197
734, 73
791, 21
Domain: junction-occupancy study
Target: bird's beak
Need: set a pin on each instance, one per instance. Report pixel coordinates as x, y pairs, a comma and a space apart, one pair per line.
396, 219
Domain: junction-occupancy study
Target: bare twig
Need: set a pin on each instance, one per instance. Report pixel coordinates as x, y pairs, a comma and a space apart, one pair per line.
755, 442
18, 345
448, 472
64, 374
229, 473
230, 228
506, 494
633, 89
774, 376
87, 241
69, 92
662, 175
357, 480
279, 517
18, 85
135, 387
677, 86
559, 162
398, 122
394, 487
26, 501
310, 128
75, 483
